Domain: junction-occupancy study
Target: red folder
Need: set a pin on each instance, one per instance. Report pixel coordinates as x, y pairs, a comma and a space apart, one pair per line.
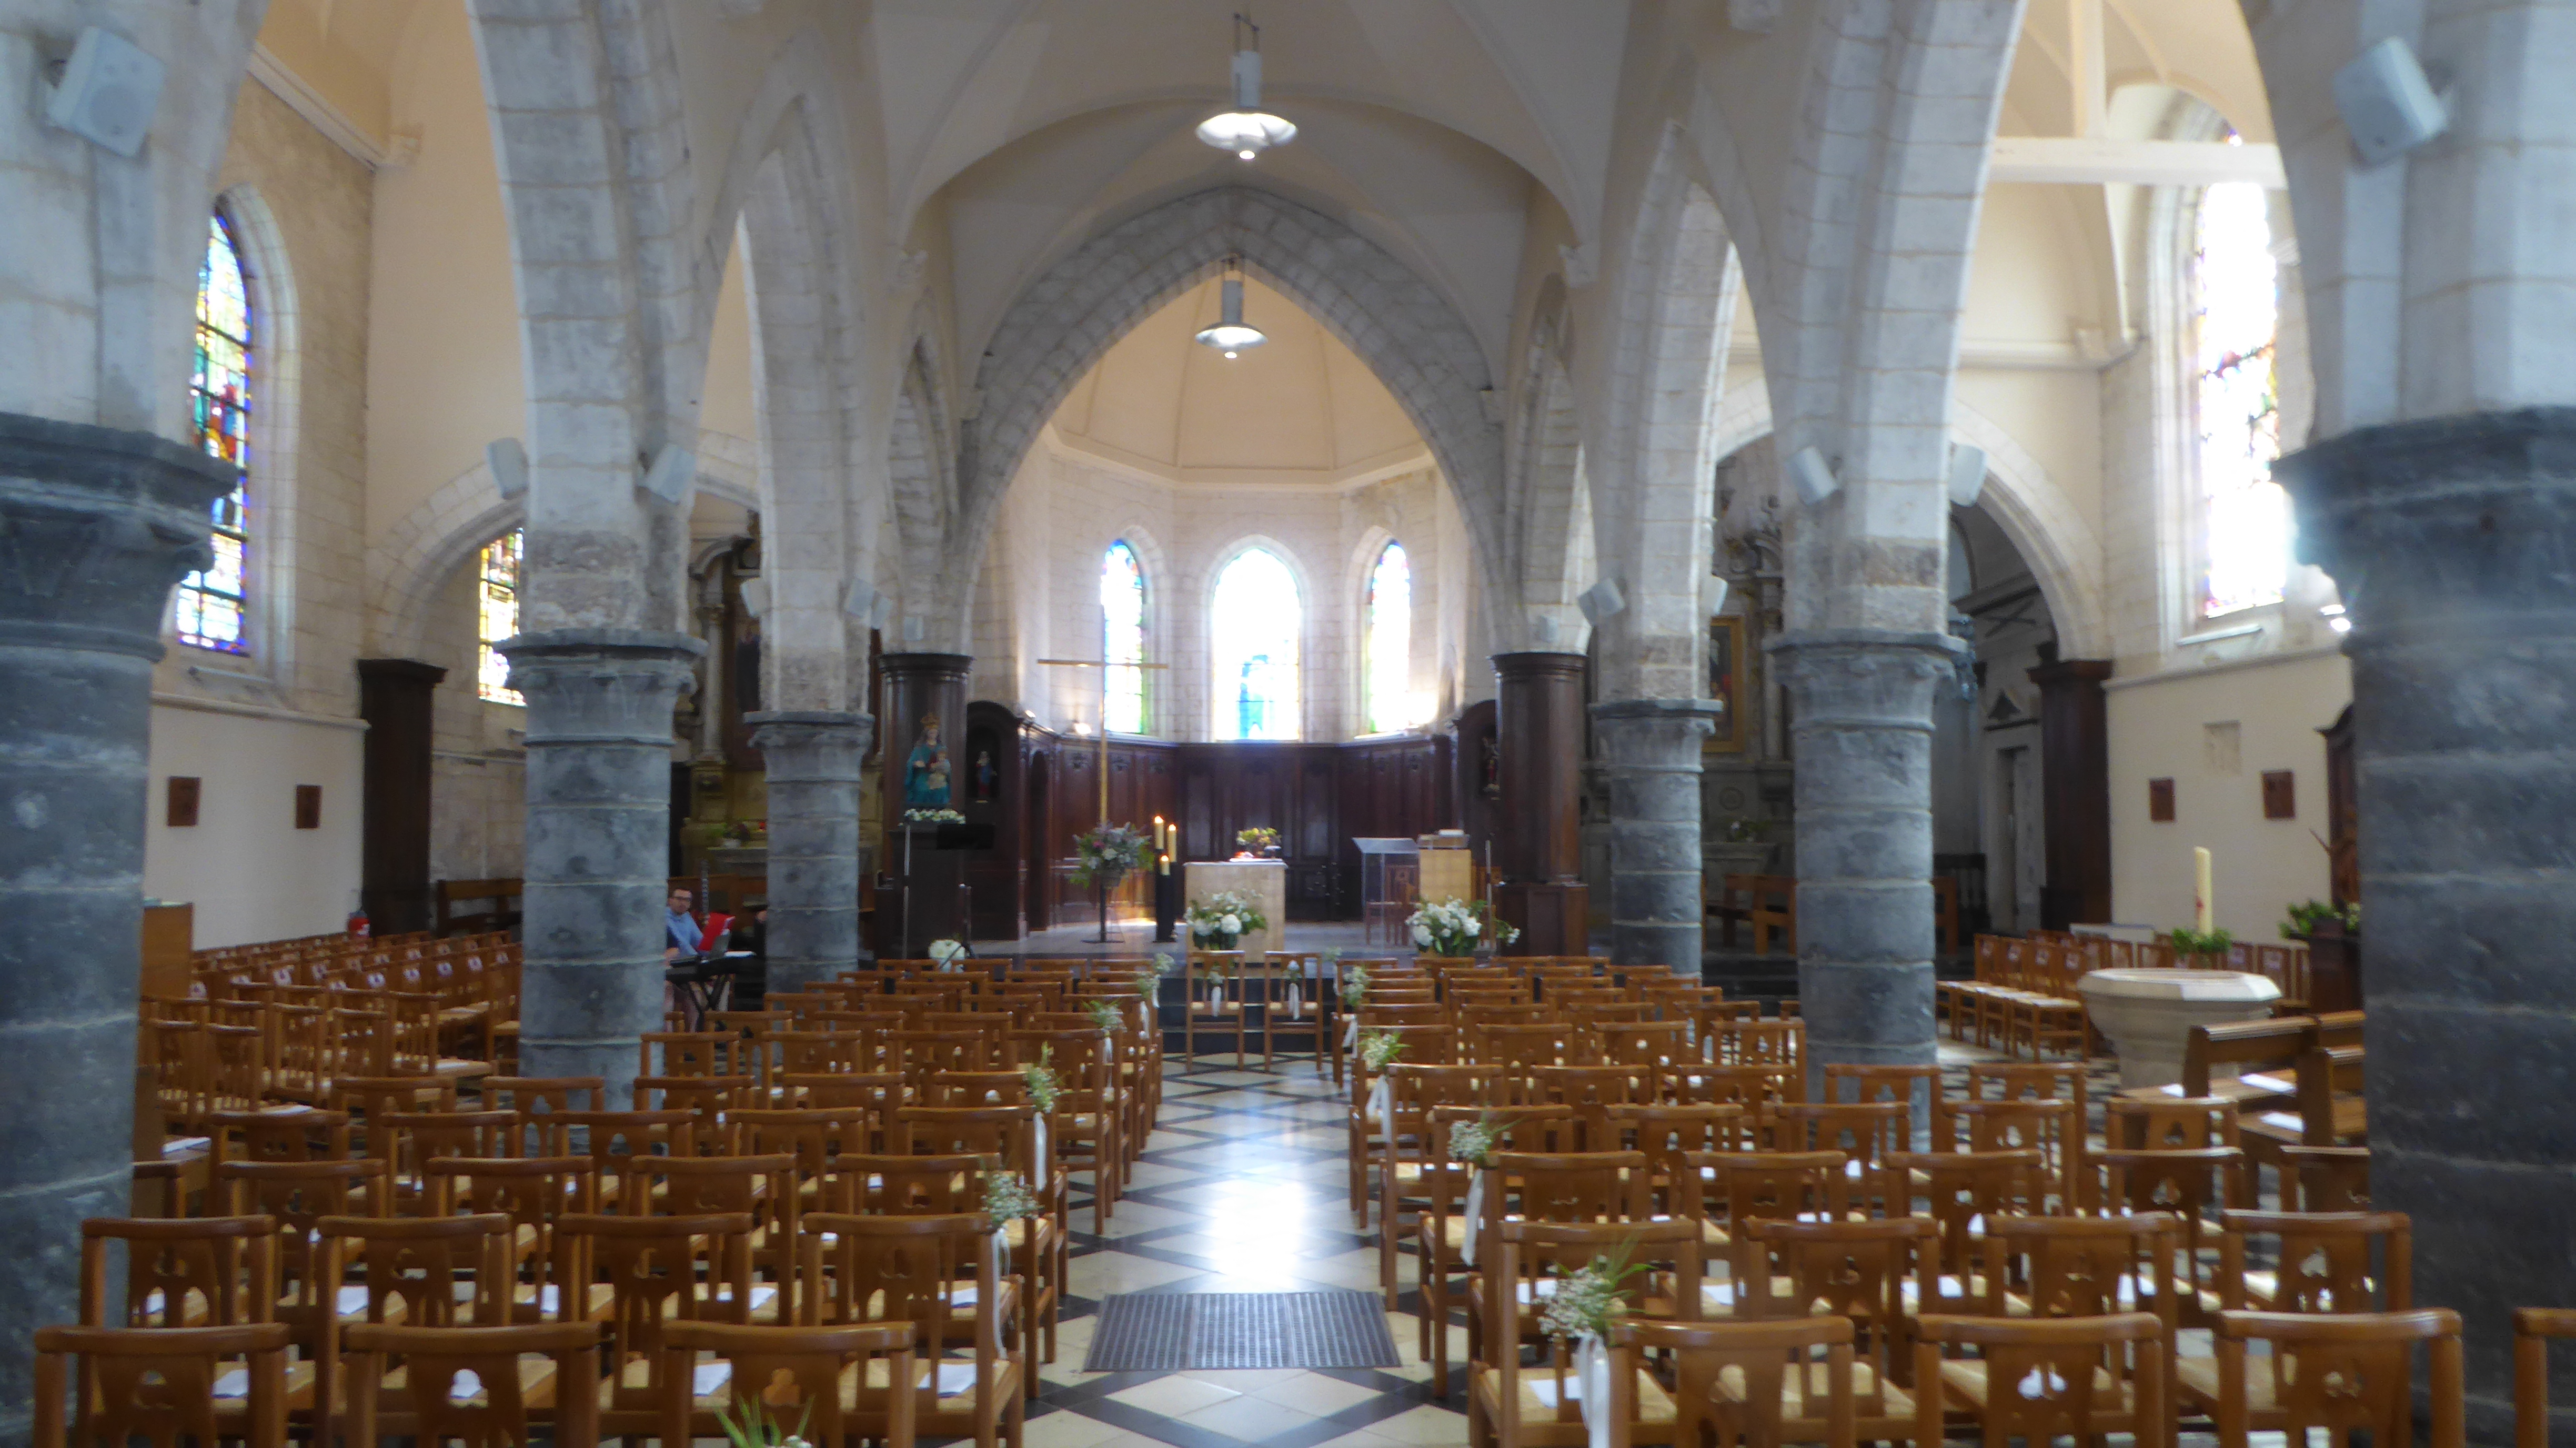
717, 924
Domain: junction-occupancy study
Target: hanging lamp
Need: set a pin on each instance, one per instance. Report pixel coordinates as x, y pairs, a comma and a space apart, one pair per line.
1247, 130
1230, 335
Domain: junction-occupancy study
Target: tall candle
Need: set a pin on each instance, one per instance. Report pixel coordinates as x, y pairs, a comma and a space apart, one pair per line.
2200, 893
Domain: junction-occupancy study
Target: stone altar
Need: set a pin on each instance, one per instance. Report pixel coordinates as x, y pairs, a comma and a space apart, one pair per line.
1263, 881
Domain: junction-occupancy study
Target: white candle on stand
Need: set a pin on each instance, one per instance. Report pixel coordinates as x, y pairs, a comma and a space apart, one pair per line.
2200, 893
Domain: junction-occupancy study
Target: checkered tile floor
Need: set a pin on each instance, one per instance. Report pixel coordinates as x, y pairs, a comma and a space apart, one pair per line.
1242, 1189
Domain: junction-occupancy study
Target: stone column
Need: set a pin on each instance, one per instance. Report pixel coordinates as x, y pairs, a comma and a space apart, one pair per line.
917, 687
1652, 747
1861, 730
599, 818
813, 767
2075, 791
1538, 842
397, 698
95, 525
2450, 539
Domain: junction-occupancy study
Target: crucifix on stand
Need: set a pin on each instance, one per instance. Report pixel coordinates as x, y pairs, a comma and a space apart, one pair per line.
1101, 723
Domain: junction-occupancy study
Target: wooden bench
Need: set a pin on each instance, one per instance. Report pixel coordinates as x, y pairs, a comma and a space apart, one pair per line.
503, 894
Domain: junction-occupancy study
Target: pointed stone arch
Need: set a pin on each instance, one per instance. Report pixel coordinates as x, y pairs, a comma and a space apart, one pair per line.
1398, 324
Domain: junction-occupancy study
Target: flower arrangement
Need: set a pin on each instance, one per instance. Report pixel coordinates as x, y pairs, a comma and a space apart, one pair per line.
1355, 984
1044, 1086
1589, 1299
1108, 852
1454, 926
1377, 1048
1149, 978
2304, 919
947, 953
1222, 918
933, 817
1007, 1197
2200, 942
1473, 1142
755, 1428
1256, 839
1105, 1016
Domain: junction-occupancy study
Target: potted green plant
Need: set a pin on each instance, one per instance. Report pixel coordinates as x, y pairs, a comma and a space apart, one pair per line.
2332, 934
2200, 949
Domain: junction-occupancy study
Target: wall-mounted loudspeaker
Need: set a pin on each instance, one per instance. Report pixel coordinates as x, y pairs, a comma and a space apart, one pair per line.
109, 91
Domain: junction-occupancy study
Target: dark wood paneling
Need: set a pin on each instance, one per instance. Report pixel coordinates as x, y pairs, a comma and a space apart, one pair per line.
395, 698
2075, 790
995, 876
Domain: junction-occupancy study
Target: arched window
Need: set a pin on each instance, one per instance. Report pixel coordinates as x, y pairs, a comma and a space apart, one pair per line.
212, 604
1122, 637
2244, 519
497, 588
1255, 625
1386, 648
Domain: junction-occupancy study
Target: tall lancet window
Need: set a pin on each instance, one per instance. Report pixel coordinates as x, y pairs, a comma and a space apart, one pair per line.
2244, 516
212, 604
1386, 649
1254, 626
1122, 639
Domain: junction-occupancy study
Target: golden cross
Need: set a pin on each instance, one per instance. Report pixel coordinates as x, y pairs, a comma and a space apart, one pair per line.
1104, 666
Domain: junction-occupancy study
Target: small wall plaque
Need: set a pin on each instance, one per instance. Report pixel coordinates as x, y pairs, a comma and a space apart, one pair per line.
2160, 801
308, 806
2280, 794
182, 814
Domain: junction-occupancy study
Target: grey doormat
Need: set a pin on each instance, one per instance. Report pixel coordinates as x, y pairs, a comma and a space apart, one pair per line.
1170, 1332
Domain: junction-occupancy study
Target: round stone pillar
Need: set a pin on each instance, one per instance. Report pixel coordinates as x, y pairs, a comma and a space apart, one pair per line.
1860, 711
599, 854
1538, 840
95, 525
2450, 539
813, 779
1651, 750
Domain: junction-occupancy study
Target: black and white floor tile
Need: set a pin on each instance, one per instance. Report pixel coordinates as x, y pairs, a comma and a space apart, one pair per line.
1243, 1188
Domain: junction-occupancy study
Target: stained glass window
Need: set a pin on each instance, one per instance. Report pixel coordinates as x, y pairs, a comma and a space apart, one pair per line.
497, 587
1386, 648
1122, 639
1255, 624
211, 605
2244, 516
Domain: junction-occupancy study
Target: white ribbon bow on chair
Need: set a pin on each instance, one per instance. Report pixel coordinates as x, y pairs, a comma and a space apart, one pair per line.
1592, 1387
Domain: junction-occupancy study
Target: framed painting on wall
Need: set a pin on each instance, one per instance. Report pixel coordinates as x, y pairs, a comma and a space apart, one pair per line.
1729, 684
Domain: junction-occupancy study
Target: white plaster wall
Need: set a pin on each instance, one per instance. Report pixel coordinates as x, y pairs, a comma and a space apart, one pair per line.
251, 874
2158, 726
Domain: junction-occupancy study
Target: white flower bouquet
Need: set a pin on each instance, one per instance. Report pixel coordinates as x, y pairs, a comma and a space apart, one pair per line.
947, 953
1222, 918
933, 817
1457, 927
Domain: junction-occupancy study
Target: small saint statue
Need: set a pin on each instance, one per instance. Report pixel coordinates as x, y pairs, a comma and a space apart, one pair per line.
925, 772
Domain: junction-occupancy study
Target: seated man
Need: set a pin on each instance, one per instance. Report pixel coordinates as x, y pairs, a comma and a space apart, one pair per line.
680, 928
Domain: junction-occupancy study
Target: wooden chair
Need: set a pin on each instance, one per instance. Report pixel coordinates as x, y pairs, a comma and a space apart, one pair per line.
186, 1272
160, 1385
1869, 1274
1866, 1133
1444, 1232
1962, 1190
1213, 992
2040, 1379
1723, 1190
1011, 1138
1412, 1149
298, 1135
2534, 1328
656, 1271
1753, 1382
537, 1193
2325, 1178
805, 1378
1511, 1405
2344, 1373
531, 1378
1292, 992
944, 1276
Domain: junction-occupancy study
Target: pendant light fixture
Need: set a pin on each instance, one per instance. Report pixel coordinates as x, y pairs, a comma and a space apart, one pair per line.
1230, 336
1247, 130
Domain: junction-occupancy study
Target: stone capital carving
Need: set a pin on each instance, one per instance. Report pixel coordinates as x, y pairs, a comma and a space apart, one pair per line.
2440, 523
601, 686
1865, 677
96, 524
818, 746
